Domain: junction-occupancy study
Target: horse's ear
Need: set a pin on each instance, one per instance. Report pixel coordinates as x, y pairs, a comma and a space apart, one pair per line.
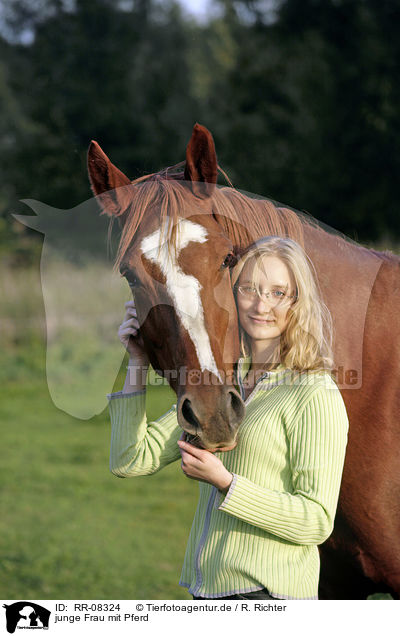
201, 162
108, 183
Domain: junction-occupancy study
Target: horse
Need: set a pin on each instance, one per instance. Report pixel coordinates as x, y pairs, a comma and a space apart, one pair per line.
180, 235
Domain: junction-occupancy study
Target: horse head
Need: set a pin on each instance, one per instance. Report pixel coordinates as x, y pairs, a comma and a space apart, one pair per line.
177, 258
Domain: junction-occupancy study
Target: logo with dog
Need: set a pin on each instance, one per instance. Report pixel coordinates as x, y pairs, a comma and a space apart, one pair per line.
26, 615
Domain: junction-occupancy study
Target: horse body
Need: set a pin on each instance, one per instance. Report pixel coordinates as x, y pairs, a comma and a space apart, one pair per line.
369, 511
361, 290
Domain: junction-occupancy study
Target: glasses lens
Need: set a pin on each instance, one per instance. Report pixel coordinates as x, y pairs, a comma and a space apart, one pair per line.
274, 298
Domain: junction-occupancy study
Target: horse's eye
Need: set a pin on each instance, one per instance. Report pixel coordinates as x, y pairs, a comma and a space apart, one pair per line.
230, 261
133, 281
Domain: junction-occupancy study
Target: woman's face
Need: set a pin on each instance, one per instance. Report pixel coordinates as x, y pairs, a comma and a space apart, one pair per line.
265, 317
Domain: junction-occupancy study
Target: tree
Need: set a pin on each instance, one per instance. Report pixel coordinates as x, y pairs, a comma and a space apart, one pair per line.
311, 106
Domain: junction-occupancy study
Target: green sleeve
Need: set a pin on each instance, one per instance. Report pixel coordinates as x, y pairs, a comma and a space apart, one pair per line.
139, 447
317, 443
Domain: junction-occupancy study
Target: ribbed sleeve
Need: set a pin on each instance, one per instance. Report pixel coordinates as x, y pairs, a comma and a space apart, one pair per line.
317, 443
139, 447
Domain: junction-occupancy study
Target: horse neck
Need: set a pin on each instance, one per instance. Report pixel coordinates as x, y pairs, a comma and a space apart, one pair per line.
339, 261
347, 274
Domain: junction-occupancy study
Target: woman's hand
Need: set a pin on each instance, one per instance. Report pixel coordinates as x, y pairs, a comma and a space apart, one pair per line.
202, 465
129, 334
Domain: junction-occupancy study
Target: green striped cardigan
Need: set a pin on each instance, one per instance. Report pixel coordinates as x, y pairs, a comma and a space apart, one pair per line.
287, 468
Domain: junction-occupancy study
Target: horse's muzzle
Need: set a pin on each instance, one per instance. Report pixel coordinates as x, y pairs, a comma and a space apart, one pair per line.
210, 416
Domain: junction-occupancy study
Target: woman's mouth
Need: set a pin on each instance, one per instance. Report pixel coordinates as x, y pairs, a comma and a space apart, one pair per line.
262, 321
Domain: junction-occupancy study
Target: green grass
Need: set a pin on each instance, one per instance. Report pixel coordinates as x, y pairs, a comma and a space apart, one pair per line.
69, 528
380, 597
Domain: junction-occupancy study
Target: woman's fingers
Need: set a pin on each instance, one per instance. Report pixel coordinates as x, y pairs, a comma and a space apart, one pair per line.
125, 335
130, 309
190, 465
198, 453
129, 332
131, 322
131, 313
189, 459
128, 328
128, 324
204, 466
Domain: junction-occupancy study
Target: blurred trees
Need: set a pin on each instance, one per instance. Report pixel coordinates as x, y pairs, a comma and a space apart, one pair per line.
312, 105
301, 96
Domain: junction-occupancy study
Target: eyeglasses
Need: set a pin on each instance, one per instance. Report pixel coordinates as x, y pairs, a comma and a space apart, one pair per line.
275, 297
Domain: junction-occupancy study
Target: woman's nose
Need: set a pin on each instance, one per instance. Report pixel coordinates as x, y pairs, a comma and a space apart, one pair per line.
263, 302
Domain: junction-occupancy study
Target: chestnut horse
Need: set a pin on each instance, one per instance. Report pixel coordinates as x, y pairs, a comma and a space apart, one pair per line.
180, 235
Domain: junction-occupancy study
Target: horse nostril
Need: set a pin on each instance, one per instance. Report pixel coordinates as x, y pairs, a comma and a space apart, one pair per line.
189, 415
237, 406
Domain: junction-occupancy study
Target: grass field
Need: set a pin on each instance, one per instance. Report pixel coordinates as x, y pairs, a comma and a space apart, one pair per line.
69, 528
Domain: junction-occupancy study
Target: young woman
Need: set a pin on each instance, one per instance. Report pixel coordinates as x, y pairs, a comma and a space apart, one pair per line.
267, 503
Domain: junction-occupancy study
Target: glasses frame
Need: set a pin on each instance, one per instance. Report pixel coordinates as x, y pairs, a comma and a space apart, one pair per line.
288, 300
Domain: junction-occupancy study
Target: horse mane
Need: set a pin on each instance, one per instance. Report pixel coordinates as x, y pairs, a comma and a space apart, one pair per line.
387, 256
242, 218
245, 219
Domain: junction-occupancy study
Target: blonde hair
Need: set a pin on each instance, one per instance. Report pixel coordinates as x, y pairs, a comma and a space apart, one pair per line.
306, 343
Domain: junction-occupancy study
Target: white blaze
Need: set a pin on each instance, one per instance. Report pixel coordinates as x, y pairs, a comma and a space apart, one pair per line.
183, 289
